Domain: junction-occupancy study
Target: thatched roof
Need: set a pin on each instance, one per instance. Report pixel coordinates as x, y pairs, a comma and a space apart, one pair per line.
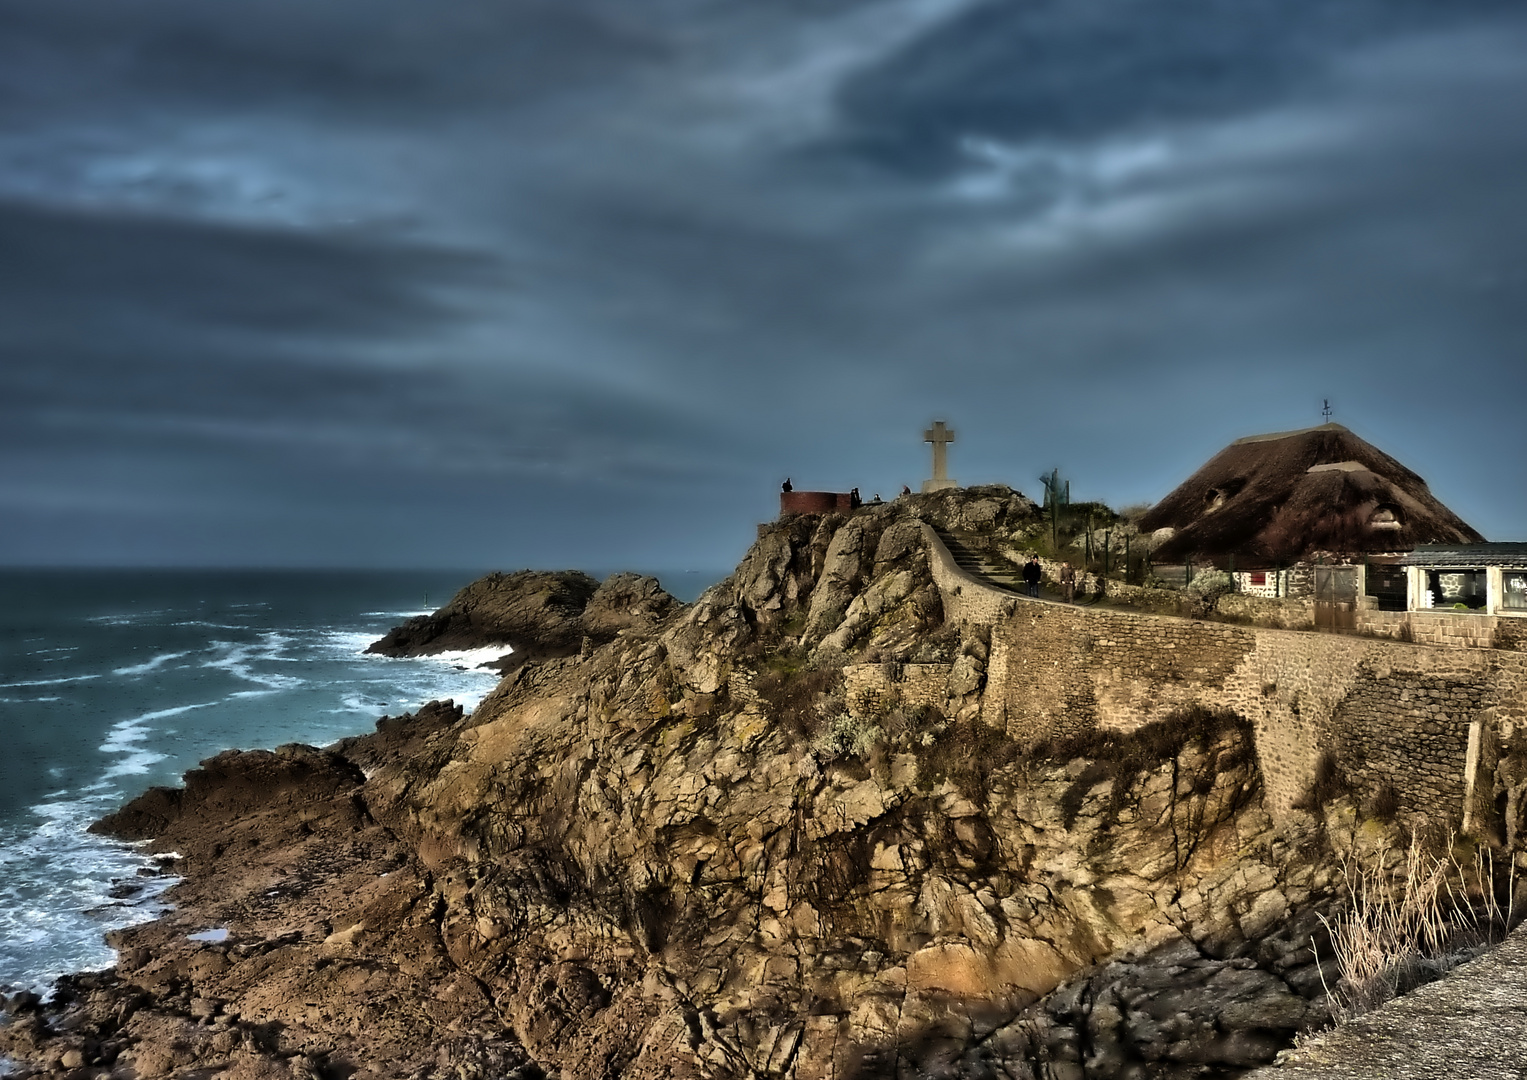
1274, 499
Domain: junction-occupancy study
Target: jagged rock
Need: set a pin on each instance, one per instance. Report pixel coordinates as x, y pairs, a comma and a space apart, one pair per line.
530, 611
681, 847
624, 602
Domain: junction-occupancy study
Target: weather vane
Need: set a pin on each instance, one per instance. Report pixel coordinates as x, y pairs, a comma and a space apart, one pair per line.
1326, 412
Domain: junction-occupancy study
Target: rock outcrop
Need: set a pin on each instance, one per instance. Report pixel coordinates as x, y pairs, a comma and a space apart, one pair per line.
701, 842
535, 615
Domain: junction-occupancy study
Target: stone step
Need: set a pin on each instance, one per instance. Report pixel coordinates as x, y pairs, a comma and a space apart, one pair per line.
978, 565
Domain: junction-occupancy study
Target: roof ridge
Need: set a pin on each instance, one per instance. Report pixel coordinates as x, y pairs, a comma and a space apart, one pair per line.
1276, 435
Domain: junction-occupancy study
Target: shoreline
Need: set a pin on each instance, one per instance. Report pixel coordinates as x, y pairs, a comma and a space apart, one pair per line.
152, 686
767, 834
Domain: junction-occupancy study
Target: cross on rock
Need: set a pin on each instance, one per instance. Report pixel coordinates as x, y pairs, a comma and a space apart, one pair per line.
940, 436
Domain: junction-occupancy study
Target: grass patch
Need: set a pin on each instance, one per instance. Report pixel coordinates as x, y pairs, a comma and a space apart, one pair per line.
796, 694
966, 754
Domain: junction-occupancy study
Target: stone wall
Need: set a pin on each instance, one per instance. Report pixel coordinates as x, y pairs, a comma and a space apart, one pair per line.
1059, 670
967, 599
1445, 628
1283, 613
871, 688
1393, 717
1396, 718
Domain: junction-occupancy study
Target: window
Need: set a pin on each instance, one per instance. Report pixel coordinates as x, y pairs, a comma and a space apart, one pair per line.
1257, 578
1386, 519
1386, 583
1457, 588
1514, 590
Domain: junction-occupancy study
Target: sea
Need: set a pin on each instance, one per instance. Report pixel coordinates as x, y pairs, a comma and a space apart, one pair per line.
112, 681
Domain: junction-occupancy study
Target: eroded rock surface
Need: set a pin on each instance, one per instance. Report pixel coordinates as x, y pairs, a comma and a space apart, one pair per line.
536, 614
690, 847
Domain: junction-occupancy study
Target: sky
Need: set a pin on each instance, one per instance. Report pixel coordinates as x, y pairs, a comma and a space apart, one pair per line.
503, 283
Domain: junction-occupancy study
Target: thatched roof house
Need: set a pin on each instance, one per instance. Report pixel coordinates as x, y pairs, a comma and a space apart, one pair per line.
1271, 500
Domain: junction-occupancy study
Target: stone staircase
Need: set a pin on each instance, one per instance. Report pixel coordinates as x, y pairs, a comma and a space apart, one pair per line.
979, 565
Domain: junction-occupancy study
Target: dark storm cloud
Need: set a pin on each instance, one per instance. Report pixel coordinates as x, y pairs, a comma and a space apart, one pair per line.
494, 280
355, 57
1066, 69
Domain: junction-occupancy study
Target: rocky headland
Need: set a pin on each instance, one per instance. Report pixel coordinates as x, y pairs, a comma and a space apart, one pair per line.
674, 842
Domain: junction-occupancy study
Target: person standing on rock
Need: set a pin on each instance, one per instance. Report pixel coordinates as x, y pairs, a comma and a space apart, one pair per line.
1031, 574
1067, 582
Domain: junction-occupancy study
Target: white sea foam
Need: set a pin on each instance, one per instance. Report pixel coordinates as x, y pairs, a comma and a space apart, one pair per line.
48, 682
237, 659
124, 736
56, 880
135, 764
157, 714
150, 665
470, 658
349, 642
217, 933
51, 922
127, 619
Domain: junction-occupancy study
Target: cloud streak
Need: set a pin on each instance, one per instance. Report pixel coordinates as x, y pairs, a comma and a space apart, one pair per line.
615, 268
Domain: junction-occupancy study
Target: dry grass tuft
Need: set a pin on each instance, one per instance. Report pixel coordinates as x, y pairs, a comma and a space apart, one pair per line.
1412, 919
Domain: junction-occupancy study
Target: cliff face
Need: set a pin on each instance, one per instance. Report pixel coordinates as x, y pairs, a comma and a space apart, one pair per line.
685, 848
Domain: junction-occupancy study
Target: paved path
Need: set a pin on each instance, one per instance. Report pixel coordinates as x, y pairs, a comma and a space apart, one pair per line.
1471, 1025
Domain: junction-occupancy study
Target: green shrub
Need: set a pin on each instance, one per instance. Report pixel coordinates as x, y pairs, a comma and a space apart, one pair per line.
1207, 587
846, 735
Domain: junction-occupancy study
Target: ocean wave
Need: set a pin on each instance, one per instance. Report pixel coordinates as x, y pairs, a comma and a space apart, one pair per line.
238, 658
124, 736
150, 665
135, 723
47, 682
467, 659
135, 763
355, 643
52, 923
125, 619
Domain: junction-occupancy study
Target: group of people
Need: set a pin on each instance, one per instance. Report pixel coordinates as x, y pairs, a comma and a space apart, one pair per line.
853, 496
1032, 572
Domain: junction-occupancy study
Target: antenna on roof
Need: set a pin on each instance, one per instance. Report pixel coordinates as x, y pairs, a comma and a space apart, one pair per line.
1326, 412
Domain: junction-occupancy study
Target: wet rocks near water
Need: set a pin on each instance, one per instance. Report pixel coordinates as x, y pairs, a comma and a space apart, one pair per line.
537, 614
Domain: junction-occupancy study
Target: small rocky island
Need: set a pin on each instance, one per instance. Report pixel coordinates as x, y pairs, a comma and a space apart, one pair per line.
795, 829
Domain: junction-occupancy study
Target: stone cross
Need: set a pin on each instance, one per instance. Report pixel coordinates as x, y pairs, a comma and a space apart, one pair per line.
940, 436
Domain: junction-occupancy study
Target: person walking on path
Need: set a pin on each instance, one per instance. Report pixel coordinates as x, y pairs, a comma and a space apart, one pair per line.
1031, 574
1068, 583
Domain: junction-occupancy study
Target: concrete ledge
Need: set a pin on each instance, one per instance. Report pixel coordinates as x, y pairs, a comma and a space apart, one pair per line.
1471, 1025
